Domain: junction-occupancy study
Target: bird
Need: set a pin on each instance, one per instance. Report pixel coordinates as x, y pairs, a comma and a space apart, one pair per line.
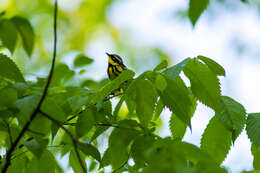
115, 66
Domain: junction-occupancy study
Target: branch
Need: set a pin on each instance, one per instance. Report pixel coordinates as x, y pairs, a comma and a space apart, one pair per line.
74, 141
115, 95
33, 115
114, 125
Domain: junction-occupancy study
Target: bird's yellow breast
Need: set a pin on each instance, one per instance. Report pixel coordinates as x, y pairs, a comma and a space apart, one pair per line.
111, 61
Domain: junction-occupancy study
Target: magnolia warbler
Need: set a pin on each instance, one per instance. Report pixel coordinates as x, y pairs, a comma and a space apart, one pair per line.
115, 66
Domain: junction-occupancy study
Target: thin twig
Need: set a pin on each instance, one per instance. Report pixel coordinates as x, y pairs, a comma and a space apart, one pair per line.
114, 125
115, 95
51, 146
35, 132
9, 132
34, 113
74, 141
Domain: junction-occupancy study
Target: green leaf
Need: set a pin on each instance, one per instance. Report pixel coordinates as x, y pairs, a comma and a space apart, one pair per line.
204, 84
26, 105
26, 31
85, 122
140, 145
36, 148
160, 82
158, 109
119, 142
146, 98
177, 127
196, 8
256, 153
114, 84
8, 34
98, 131
41, 126
253, 128
62, 73
161, 66
216, 140
213, 66
174, 71
19, 165
176, 98
8, 97
46, 163
90, 150
118, 106
9, 70
50, 107
82, 60
74, 162
233, 115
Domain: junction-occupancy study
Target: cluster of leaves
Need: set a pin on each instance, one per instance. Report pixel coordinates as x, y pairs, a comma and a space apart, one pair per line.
87, 114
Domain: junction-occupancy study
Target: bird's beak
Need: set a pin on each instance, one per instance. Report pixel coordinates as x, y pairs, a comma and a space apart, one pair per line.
108, 54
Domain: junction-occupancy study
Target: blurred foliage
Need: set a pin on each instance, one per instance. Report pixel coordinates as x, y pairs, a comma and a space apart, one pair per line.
80, 111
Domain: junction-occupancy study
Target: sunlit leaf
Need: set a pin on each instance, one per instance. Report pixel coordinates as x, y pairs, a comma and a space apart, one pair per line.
177, 127
160, 82
74, 162
26, 31
216, 140
35, 147
196, 8
119, 148
176, 98
174, 71
9, 70
233, 115
90, 150
214, 66
139, 147
252, 128
204, 84
146, 97
161, 66
85, 122
82, 60
8, 97
8, 34
256, 153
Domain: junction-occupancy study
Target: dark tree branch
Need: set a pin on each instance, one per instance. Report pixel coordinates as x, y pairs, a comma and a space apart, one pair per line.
33, 115
74, 141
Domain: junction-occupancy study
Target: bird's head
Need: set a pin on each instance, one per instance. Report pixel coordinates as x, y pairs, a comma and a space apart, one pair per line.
114, 59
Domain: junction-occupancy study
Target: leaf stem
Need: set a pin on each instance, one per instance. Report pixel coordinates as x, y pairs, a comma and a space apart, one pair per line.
74, 141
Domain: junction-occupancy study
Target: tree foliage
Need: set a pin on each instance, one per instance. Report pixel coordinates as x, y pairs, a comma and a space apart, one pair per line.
73, 118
